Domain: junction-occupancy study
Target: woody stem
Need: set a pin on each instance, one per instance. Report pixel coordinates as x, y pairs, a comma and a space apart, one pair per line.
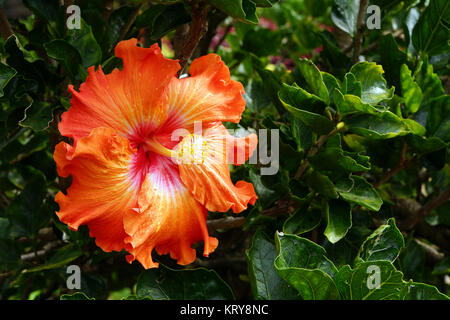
197, 30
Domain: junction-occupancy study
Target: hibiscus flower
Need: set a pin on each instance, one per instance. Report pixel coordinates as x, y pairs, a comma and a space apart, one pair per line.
136, 185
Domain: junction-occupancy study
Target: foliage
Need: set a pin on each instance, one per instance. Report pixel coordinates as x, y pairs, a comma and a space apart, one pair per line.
363, 173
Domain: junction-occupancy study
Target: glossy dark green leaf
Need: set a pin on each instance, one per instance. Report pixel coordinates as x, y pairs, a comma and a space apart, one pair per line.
6, 74
428, 80
431, 33
339, 219
351, 85
302, 220
357, 190
391, 58
334, 158
196, 284
117, 21
422, 291
255, 96
294, 98
373, 85
314, 79
321, 184
384, 125
360, 283
168, 20
345, 14
423, 145
62, 51
267, 194
266, 283
348, 104
27, 212
384, 243
331, 83
410, 90
303, 264
242, 10
37, 116
84, 41
412, 260
333, 55
438, 117
49, 11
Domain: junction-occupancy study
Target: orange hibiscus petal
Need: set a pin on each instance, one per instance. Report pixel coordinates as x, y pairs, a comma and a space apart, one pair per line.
203, 166
239, 149
169, 219
102, 190
209, 94
128, 100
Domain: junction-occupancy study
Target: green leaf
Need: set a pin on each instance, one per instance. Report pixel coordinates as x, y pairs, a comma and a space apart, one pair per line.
162, 19
414, 127
384, 243
62, 51
422, 145
262, 42
373, 85
331, 83
384, 125
84, 41
442, 267
321, 183
295, 99
302, 221
334, 158
49, 11
345, 14
266, 283
27, 211
351, 85
391, 58
431, 32
189, 284
271, 83
412, 260
438, 117
357, 190
37, 116
242, 10
60, 258
422, 291
410, 90
314, 79
6, 74
348, 104
75, 296
429, 81
117, 21
339, 219
357, 285
303, 264
266, 195
255, 96
333, 55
